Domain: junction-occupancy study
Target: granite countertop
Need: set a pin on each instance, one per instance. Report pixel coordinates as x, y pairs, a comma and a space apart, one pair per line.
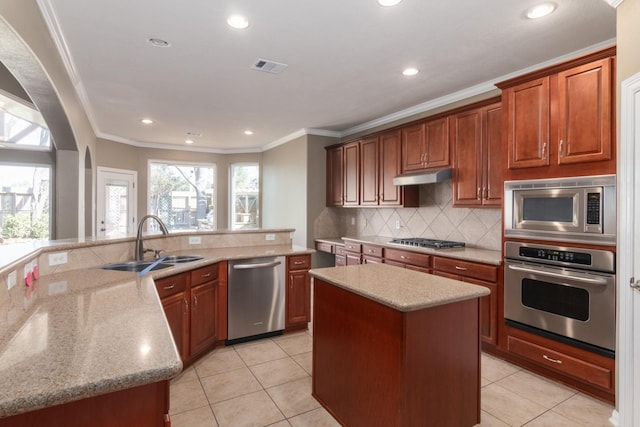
466, 253
91, 331
399, 288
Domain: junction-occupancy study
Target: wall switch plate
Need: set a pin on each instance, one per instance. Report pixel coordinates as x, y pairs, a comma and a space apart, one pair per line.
58, 258
11, 279
353, 220
398, 224
270, 236
195, 240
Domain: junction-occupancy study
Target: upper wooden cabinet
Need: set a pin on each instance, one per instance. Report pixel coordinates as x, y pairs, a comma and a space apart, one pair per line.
368, 168
477, 156
560, 118
425, 145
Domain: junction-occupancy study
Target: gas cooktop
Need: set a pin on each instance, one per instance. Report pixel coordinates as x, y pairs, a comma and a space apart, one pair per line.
428, 243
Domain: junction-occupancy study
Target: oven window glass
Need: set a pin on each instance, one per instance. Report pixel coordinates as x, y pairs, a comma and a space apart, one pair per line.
564, 301
547, 209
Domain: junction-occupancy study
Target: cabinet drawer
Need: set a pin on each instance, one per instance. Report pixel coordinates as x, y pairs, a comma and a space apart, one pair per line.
171, 285
324, 247
408, 257
352, 247
299, 262
585, 371
204, 274
340, 260
467, 269
372, 251
339, 249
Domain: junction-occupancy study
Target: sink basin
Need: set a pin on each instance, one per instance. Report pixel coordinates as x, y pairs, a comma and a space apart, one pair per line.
136, 266
181, 258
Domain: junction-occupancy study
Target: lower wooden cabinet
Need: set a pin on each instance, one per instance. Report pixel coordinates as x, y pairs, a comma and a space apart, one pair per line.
191, 306
298, 293
408, 259
477, 274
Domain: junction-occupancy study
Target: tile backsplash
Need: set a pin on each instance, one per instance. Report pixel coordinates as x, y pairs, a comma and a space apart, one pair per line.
434, 218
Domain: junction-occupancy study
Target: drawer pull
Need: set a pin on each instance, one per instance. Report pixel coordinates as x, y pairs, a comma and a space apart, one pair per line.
461, 268
298, 262
206, 275
404, 257
186, 305
545, 357
171, 286
371, 251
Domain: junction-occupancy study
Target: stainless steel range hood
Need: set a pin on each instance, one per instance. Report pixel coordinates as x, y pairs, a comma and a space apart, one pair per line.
429, 176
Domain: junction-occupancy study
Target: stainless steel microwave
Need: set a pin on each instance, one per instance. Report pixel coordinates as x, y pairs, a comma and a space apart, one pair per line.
576, 209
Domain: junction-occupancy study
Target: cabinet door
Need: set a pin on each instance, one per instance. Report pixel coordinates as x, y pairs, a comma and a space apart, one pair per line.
176, 310
413, 148
204, 315
390, 151
466, 134
298, 298
351, 168
334, 176
528, 124
492, 156
584, 104
369, 171
437, 143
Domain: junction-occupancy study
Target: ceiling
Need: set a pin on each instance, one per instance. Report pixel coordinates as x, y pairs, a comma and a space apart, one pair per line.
344, 62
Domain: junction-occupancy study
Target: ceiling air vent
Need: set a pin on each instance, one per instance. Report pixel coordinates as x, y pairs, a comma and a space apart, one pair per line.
269, 66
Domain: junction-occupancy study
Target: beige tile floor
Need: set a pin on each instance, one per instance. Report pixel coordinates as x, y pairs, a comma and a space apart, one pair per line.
268, 383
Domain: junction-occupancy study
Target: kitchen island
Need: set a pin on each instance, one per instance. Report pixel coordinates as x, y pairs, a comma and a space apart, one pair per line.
394, 347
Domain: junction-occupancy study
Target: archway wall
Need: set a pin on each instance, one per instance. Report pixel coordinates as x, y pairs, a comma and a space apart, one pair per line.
30, 54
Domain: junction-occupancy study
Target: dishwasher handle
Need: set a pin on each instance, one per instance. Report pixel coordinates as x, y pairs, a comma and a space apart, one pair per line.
256, 265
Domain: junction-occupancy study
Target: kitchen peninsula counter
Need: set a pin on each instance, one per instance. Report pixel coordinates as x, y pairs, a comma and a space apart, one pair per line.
396, 347
81, 332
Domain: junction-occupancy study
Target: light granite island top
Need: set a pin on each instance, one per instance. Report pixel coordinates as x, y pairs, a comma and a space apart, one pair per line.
399, 288
416, 336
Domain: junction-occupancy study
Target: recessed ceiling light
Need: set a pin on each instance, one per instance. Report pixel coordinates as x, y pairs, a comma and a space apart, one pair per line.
387, 3
238, 21
158, 42
147, 121
540, 10
411, 71
248, 132
188, 141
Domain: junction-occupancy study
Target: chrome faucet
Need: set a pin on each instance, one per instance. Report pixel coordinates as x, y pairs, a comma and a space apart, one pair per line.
139, 248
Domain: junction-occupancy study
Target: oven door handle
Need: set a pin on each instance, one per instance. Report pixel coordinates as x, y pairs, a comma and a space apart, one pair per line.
592, 281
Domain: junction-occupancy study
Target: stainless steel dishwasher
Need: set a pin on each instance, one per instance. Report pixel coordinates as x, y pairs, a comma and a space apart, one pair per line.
255, 292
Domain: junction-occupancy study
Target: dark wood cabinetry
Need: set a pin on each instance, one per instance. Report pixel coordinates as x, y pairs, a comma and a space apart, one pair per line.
425, 145
407, 259
192, 308
477, 156
477, 274
298, 293
560, 119
334, 176
351, 174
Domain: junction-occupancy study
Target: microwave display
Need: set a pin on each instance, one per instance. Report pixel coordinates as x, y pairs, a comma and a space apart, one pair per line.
548, 209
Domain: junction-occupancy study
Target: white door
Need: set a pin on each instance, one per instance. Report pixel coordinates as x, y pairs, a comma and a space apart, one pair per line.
116, 202
628, 302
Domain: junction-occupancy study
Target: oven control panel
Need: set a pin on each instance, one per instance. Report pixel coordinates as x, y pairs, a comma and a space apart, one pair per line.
556, 255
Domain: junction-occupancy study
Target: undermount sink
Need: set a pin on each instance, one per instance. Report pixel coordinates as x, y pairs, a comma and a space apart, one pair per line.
136, 266
181, 258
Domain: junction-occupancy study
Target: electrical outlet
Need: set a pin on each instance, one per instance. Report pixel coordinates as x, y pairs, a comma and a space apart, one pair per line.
270, 236
397, 224
58, 258
11, 279
353, 220
195, 240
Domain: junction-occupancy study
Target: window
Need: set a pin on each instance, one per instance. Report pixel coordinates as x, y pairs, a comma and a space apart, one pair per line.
182, 195
26, 172
25, 203
245, 196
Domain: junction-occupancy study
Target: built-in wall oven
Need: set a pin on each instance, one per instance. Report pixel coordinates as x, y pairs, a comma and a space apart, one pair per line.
563, 292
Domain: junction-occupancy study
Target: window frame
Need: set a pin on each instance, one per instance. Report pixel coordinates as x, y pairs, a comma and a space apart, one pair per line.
231, 201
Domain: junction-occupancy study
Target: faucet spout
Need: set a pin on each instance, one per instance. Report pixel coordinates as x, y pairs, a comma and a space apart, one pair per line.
139, 246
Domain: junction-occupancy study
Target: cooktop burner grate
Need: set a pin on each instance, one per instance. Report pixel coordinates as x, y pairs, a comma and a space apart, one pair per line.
428, 243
